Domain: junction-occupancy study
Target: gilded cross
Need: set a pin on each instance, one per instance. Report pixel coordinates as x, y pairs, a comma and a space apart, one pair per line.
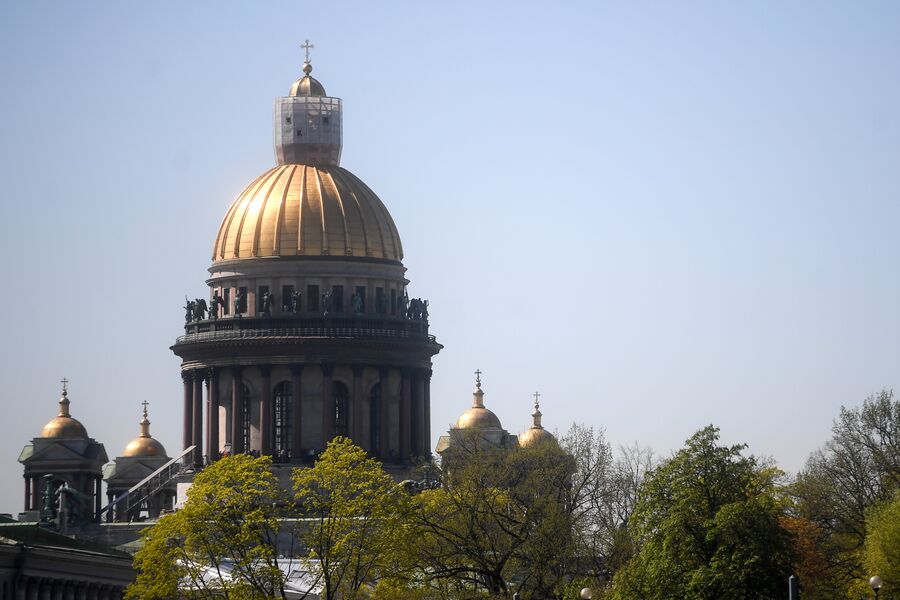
306, 46
65, 383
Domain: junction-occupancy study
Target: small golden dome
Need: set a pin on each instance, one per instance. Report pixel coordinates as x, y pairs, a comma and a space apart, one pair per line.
306, 85
300, 210
478, 417
63, 426
536, 434
143, 444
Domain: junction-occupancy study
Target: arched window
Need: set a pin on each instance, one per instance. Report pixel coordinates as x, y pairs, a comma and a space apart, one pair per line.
282, 406
245, 418
375, 420
341, 409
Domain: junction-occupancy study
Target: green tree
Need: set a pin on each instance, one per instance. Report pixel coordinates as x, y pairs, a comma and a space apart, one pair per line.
882, 549
222, 543
500, 523
356, 514
858, 468
603, 494
706, 525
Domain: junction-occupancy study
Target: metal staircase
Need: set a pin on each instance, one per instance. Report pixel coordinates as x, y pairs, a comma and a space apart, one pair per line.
150, 485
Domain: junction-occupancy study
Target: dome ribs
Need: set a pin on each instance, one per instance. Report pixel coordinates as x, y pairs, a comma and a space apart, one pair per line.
279, 216
301, 200
394, 249
247, 203
359, 229
219, 248
306, 210
331, 187
260, 215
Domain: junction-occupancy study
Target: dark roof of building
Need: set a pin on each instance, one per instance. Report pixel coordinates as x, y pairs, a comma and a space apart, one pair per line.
32, 534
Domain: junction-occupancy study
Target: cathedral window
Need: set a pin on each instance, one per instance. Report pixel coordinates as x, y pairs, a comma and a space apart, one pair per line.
341, 409
312, 298
245, 418
337, 298
282, 407
375, 419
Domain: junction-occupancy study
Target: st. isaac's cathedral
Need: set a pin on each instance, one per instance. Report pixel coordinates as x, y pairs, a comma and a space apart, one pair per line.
307, 333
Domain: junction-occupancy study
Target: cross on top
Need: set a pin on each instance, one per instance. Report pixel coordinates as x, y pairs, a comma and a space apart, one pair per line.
306, 46
64, 382
537, 397
478, 376
145, 404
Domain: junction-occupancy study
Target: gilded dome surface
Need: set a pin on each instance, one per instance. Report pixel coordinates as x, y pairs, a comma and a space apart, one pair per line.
143, 444
535, 436
478, 417
306, 85
63, 426
301, 210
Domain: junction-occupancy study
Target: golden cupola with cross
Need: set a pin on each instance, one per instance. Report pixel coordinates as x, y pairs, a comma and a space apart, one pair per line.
307, 329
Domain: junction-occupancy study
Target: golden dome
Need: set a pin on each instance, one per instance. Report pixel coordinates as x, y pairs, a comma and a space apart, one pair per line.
63, 426
143, 444
300, 210
478, 417
306, 85
536, 434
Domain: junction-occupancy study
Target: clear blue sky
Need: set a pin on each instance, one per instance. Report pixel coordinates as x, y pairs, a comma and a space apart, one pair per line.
659, 215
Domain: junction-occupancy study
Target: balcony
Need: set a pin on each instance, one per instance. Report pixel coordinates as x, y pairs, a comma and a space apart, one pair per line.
333, 326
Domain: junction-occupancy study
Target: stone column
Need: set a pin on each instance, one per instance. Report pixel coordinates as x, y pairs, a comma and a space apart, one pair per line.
27, 493
327, 404
296, 414
188, 429
427, 413
237, 412
405, 415
69, 591
212, 415
265, 410
357, 432
98, 497
56, 592
81, 591
198, 418
419, 443
384, 449
46, 589
33, 588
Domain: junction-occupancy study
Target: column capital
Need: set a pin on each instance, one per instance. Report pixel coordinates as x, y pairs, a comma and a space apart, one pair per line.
236, 371
187, 376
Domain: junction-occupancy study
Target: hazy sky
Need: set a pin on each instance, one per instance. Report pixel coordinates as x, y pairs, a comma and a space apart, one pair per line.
659, 215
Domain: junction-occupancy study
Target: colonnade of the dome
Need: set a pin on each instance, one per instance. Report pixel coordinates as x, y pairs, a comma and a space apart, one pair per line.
290, 411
